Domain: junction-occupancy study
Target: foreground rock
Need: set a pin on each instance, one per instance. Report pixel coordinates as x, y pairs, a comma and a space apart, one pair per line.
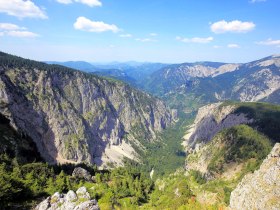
70, 201
260, 190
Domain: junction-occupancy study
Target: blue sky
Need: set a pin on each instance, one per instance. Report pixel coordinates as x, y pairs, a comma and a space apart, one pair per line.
169, 31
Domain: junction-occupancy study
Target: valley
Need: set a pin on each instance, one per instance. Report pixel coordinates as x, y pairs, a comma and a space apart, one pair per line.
139, 105
183, 136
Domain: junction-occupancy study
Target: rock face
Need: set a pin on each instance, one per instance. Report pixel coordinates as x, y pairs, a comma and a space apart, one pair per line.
212, 82
260, 190
209, 121
73, 116
70, 201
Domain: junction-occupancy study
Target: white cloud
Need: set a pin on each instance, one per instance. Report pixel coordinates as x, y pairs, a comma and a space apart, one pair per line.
21, 9
235, 26
145, 40
64, 1
233, 46
9, 29
153, 34
255, 1
270, 42
26, 34
10, 26
91, 3
195, 40
85, 24
126, 35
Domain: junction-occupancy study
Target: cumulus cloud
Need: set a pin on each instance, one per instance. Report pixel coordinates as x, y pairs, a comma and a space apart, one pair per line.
270, 42
126, 35
85, 24
233, 46
9, 29
21, 9
91, 3
235, 26
195, 40
10, 26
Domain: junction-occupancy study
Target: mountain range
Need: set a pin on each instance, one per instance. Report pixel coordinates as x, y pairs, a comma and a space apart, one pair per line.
136, 115
202, 82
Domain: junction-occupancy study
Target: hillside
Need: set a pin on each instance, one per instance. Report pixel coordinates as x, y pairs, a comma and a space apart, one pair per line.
206, 82
229, 140
74, 116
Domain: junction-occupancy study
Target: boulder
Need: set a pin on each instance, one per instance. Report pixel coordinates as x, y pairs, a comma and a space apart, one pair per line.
71, 201
82, 174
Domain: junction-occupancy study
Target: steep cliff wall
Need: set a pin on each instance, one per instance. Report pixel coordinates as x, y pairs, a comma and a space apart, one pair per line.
260, 190
210, 120
73, 116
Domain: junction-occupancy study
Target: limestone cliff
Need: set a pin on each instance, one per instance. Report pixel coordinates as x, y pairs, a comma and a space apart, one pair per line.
73, 116
226, 138
260, 190
209, 121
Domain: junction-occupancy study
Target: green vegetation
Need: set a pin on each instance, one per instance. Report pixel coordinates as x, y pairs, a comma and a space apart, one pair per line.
178, 191
24, 177
166, 154
266, 117
240, 143
23, 183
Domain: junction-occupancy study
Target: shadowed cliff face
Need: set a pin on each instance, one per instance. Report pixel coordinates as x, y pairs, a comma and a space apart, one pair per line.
74, 117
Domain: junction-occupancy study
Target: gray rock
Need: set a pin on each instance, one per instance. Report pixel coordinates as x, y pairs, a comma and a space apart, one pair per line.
71, 196
44, 205
81, 173
260, 190
89, 205
81, 190
69, 201
73, 116
210, 120
82, 193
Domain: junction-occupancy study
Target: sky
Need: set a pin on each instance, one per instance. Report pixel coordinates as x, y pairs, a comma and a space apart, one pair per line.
168, 31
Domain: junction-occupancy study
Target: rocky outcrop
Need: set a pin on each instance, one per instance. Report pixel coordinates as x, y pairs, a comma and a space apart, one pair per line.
260, 190
81, 173
209, 121
71, 201
74, 116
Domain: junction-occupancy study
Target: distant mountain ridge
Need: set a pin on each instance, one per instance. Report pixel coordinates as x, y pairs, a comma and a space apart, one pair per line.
212, 82
79, 65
